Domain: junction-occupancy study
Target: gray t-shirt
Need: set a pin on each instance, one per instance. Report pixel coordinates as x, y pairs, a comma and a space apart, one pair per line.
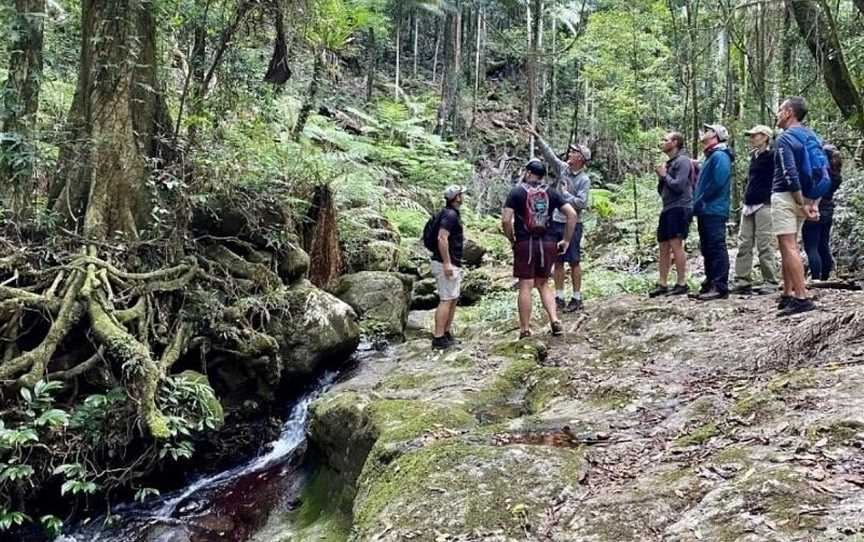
574, 185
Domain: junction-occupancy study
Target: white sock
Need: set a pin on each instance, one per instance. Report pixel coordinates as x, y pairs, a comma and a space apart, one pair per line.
577, 296
559, 294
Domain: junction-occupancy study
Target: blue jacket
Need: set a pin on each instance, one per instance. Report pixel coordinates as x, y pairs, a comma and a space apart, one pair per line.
714, 187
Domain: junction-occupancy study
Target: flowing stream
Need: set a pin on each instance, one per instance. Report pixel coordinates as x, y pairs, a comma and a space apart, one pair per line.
226, 507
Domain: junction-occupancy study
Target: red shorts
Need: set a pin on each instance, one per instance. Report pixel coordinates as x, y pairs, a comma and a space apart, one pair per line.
533, 259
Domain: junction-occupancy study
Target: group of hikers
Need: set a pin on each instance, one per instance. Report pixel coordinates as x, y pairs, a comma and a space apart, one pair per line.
789, 193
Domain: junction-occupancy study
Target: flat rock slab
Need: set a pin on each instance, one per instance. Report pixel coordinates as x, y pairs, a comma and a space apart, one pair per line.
666, 420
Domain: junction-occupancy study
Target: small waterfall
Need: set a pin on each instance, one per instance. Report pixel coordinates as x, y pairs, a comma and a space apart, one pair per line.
189, 514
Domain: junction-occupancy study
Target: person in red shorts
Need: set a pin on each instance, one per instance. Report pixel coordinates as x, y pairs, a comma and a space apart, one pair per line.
526, 221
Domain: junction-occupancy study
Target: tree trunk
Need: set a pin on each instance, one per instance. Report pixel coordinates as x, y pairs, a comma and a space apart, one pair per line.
371, 57
416, 40
437, 48
278, 72
535, 15
448, 111
116, 121
20, 104
398, 56
311, 96
478, 44
817, 28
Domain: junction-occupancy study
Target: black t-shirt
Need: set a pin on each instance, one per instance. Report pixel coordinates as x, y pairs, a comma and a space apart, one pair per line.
451, 221
518, 199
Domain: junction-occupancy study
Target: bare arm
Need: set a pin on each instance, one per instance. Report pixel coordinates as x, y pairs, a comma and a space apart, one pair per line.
444, 246
570, 227
507, 224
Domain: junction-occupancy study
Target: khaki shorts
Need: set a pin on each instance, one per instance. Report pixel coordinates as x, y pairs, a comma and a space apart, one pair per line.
448, 289
786, 215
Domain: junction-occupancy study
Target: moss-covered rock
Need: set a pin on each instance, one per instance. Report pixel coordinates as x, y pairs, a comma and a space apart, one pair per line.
313, 328
380, 299
293, 265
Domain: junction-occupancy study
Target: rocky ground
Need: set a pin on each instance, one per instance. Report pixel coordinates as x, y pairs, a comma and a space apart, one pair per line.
648, 420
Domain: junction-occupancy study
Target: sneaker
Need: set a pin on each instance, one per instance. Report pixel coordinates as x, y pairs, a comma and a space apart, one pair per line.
557, 328
440, 343
574, 305
453, 341
743, 289
559, 302
797, 306
658, 291
679, 289
784, 302
524, 334
713, 294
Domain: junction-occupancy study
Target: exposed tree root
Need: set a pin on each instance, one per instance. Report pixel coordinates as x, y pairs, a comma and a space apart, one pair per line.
88, 289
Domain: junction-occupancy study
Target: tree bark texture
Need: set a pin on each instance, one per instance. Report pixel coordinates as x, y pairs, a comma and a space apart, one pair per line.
278, 72
116, 122
816, 26
20, 104
448, 111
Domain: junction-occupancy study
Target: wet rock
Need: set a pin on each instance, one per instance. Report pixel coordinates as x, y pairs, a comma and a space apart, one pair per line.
380, 299
314, 328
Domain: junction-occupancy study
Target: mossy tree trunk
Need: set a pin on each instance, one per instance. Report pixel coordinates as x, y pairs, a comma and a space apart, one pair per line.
20, 104
115, 124
819, 31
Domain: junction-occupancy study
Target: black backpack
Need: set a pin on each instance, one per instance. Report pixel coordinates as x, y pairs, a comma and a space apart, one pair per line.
430, 232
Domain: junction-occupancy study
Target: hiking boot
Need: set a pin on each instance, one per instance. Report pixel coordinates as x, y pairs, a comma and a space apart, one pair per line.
742, 289
766, 289
557, 328
453, 341
797, 306
524, 334
658, 291
784, 302
440, 343
713, 294
559, 302
679, 289
574, 305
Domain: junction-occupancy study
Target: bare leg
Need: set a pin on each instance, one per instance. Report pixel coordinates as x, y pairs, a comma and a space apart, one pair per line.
576, 276
558, 274
794, 269
677, 247
664, 263
548, 298
524, 303
443, 317
451, 316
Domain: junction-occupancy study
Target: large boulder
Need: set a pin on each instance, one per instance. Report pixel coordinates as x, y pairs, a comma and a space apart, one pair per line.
472, 253
380, 299
293, 265
314, 329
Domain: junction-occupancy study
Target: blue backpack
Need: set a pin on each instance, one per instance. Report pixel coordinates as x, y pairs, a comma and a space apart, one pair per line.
815, 181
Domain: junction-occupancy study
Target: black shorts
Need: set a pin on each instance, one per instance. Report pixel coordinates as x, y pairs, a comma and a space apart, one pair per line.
674, 224
574, 250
